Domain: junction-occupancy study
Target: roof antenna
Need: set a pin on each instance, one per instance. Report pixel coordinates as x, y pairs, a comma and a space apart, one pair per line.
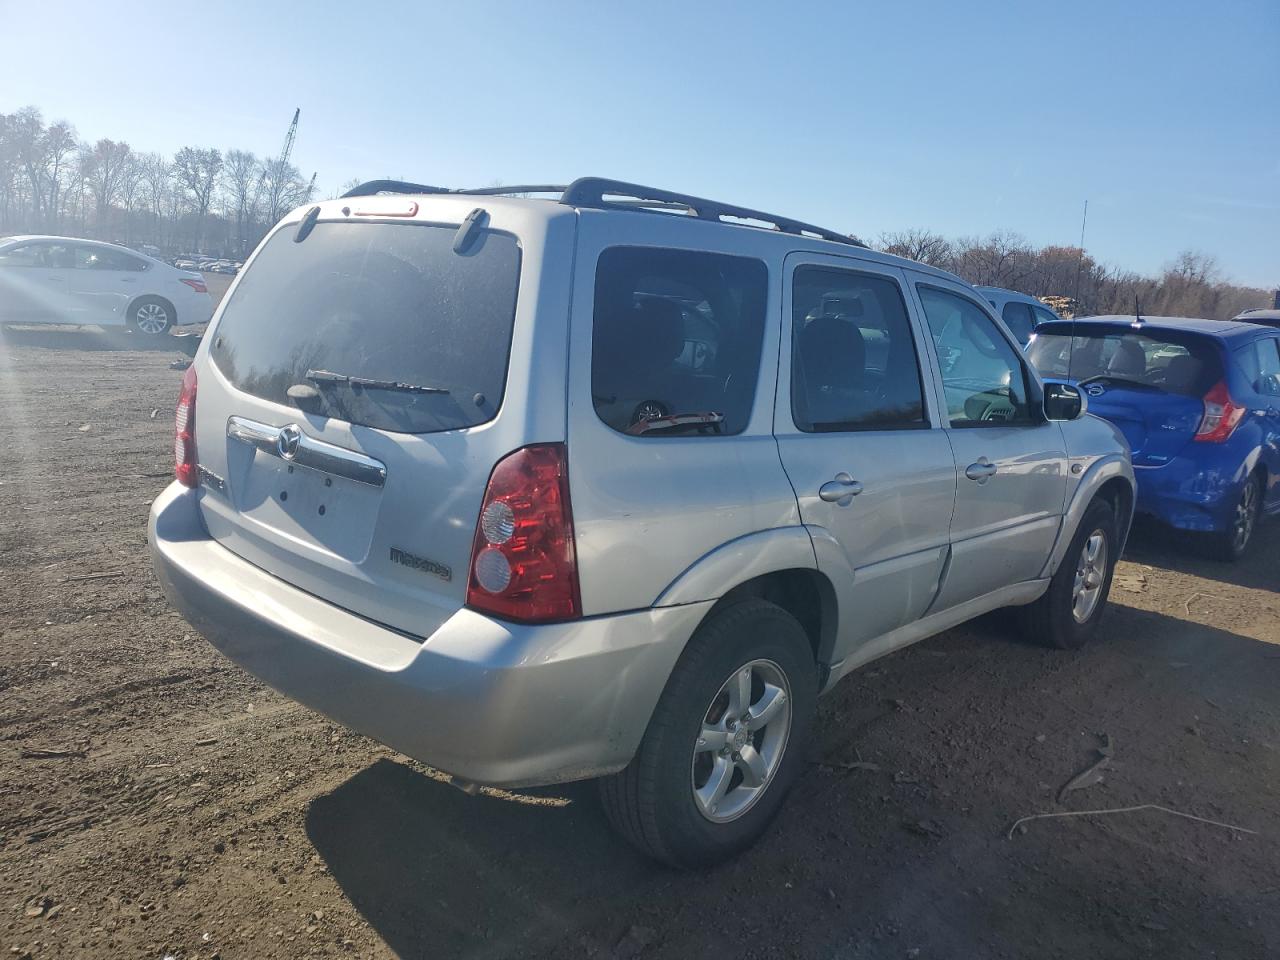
1075, 307
1137, 310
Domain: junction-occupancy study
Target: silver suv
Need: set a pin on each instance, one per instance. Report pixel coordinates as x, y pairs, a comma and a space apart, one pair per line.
613, 484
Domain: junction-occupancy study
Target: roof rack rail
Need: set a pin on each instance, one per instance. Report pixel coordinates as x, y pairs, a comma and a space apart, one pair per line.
591, 192
502, 191
374, 187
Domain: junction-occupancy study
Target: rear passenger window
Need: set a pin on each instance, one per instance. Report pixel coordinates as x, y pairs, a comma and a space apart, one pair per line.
853, 358
676, 341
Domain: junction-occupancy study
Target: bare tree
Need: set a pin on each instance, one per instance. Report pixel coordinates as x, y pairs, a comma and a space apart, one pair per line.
240, 175
27, 130
156, 184
283, 189
104, 167
197, 171
923, 246
1001, 260
130, 192
61, 146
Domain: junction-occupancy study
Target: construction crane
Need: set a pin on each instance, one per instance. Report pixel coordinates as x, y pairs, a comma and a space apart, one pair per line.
280, 165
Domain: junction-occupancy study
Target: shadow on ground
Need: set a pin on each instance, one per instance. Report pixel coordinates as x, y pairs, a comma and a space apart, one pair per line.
968, 731
1154, 543
184, 340
440, 873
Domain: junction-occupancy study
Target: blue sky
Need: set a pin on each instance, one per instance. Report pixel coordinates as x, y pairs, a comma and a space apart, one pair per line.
959, 117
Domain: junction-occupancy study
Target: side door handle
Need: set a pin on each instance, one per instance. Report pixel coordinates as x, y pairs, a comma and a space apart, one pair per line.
841, 490
982, 471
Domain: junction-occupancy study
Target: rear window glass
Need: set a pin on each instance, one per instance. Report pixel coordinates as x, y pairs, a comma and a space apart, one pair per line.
383, 302
676, 341
1163, 360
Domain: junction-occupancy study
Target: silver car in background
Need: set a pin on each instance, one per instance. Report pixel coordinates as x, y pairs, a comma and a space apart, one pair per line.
1021, 312
62, 280
604, 485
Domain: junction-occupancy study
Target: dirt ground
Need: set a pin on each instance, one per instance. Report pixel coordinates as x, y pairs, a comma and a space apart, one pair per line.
157, 801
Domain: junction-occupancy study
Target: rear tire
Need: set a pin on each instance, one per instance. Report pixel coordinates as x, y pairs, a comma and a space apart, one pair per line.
151, 316
726, 741
1068, 613
1231, 545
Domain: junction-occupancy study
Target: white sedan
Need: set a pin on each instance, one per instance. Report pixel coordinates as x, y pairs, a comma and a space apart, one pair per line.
66, 281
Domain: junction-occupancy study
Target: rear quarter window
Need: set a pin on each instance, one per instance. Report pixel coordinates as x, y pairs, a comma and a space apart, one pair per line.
676, 338
376, 301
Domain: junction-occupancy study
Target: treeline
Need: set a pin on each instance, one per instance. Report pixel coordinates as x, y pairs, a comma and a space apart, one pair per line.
1192, 285
203, 200
199, 200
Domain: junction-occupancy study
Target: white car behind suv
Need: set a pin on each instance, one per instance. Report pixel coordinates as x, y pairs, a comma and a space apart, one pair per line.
59, 280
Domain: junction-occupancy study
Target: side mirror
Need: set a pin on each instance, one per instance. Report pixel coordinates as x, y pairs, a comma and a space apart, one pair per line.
1064, 401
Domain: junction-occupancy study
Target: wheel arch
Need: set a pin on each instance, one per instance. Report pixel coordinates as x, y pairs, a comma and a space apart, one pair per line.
776, 565
1111, 477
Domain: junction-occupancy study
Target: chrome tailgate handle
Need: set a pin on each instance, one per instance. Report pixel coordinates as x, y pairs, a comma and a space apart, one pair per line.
841, 490
290, 444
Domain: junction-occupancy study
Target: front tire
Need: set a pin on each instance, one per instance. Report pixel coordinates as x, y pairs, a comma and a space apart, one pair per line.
152, 316
1231, 544
725, 743
1068, 613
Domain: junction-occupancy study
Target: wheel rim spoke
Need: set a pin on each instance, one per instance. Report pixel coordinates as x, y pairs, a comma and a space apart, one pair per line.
713, 791
740, 692
754, 770
766, 708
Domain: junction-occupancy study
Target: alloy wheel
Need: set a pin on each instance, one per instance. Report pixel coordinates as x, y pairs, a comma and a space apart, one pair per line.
743, 737
151, 318
1091, 571
1246, 516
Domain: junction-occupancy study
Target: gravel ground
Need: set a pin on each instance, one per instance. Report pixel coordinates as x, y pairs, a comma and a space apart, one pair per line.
157, 801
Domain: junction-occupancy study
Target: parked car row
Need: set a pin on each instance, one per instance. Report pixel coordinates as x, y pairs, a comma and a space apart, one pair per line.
208, 265
57, 280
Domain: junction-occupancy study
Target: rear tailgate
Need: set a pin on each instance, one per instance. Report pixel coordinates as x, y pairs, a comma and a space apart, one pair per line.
366, 493
1156, 424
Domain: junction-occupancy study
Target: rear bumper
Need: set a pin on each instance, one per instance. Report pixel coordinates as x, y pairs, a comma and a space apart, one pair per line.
488, 701
1190, 494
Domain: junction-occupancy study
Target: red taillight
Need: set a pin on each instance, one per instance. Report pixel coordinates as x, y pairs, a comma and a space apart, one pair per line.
1221, 415
523, 563
197, 285
185, 462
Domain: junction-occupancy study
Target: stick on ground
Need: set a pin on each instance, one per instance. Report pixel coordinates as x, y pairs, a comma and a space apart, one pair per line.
1141, 806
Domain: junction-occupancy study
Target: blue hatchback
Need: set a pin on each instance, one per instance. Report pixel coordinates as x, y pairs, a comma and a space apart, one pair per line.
1198, 401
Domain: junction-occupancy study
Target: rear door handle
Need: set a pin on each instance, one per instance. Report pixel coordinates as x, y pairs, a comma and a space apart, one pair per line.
982, 471
841, 490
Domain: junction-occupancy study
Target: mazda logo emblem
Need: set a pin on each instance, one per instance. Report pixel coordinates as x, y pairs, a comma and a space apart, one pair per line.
1095, 390
287, 441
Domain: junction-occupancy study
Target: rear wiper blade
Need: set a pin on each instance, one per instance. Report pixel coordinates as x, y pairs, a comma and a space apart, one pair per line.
1124, 381
328, 377
678, 421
